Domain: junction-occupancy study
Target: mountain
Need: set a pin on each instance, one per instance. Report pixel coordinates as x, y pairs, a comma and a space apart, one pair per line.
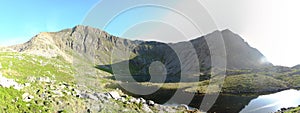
74, 65
97, 47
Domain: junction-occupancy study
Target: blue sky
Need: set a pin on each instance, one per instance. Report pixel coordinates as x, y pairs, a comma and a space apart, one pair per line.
271, 26
22, 19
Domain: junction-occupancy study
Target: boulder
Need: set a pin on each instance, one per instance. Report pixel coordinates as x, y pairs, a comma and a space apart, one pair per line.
44, 79
122, 99
183, 106
150, 103
107, 95
90, 96
115, 95
137, 101
5, 82
146, 108
27, 84
18, 86
58, 93
75, 92
143, 101
125, 110
133, 100
27, 97
102, 96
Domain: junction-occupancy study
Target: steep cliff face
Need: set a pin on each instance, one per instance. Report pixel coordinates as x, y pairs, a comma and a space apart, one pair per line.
240, 55
81, 42
91, 45
187, 58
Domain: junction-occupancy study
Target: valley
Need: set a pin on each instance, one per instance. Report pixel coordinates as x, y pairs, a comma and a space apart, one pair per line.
78, 69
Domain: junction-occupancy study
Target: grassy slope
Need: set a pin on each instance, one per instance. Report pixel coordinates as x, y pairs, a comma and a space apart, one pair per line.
238, 84
295, 110
21, 68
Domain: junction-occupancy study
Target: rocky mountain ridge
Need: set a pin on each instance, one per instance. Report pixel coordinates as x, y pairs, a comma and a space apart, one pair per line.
85, 47
99, 48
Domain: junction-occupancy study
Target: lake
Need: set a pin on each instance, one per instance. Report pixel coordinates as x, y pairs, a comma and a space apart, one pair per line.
226, 103
273, 102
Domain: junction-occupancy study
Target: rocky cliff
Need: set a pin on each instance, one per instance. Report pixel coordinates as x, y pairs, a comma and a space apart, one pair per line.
97, 47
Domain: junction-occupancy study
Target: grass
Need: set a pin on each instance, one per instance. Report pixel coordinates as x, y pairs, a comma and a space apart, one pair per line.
234, 84
20, 67
295, 110
11, 101
247, 83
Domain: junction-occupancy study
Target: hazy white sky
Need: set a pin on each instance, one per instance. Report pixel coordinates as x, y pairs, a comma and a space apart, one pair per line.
271, 26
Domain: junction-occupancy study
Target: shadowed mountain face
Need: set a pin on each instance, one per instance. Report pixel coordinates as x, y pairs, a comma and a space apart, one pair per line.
93, 46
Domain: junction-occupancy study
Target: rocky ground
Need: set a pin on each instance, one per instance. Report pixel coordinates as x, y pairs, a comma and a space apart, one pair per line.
289, 110
30, 83
52, 92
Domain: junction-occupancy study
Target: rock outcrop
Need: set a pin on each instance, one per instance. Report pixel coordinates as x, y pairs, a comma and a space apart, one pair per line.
7, 83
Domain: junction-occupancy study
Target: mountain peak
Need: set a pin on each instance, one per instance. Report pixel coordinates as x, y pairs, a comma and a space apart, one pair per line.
84, 28
95, 44
227, 31
44, 33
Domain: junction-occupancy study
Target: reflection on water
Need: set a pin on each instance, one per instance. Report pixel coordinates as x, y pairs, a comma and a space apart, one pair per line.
273, 102
226, 103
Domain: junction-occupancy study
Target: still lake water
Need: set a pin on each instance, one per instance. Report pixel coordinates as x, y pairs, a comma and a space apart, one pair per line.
273, 102
227, 103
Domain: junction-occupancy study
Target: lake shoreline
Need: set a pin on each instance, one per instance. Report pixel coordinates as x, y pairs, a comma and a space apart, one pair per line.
241, 99
245, 93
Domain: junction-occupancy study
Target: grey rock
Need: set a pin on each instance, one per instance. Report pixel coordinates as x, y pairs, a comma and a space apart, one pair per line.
82, 95
102, 96
133, 100
183, 106
122, 99
158, 107
150, 102
58, 93
27, 84
125, 110
137, 101
27, 97
143, 101
92, 96
5, 82
77, 91
115, 95
44, 79
146, 108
